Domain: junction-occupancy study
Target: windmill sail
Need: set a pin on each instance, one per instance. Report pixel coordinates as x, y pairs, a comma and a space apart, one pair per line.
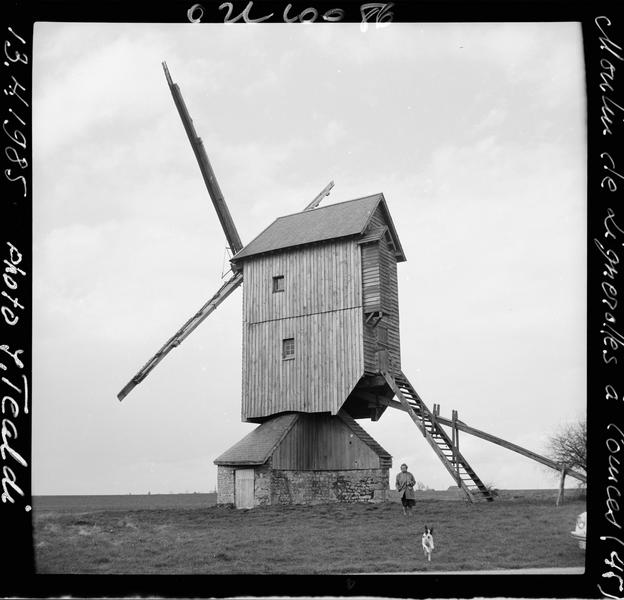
210, 180
224, 291
324, 192
229, 229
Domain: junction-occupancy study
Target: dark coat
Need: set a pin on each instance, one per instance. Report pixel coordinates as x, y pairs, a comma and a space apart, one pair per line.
405, 483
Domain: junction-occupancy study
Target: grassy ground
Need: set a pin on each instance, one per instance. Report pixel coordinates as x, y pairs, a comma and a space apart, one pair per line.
122, 502
314, 539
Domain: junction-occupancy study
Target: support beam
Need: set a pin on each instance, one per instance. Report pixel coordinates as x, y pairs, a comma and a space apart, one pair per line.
500, 442
372, 381
438, 439
561, 484
455, 441
404, 404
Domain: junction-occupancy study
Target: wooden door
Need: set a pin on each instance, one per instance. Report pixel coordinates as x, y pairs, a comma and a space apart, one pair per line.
244, 488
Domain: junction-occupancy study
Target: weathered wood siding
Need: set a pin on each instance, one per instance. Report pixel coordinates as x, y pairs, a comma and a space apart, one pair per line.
317, 278
377, 220
391, 294
370, 301
321, 308
380, 292
327, 365
371, 289
322, 442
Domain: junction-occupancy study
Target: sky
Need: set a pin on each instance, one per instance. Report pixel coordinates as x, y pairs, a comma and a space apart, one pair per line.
475, 134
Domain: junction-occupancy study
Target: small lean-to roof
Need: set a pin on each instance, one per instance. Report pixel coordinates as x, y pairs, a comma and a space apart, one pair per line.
258, 445
320, 224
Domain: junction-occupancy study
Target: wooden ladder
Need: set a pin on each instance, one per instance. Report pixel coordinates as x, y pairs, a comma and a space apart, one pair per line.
438, 439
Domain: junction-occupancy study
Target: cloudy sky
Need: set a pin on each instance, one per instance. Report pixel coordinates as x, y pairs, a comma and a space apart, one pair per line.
475, 133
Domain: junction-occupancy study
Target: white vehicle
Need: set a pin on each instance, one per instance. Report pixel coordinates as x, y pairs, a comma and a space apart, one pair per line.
580, 533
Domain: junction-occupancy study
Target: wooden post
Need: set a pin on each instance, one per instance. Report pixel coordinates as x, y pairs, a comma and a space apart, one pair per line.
561, 482
456, 444
499, 442
453, 432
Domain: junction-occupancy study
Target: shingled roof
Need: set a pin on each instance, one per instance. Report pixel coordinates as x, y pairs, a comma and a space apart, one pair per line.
257, 446
320, 224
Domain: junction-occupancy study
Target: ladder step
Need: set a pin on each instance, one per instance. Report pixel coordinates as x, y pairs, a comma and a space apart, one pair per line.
476, 490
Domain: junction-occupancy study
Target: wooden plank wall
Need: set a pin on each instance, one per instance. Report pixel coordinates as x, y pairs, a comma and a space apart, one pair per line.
371, 299
377, 221
323, 442
321, 308
389, 281
317, 278
327, 365
380, 284
371, 291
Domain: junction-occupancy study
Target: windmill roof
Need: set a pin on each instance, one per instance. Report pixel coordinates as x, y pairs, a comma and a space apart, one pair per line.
258, 445
320, 224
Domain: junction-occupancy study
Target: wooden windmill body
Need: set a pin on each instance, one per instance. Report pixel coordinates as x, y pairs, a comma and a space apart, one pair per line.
320, 311
321, 348
320, 323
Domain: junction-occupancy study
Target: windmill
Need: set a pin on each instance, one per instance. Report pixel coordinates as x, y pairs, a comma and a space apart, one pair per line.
321, 350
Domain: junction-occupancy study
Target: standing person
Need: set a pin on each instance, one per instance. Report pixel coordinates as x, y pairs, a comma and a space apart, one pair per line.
405, 483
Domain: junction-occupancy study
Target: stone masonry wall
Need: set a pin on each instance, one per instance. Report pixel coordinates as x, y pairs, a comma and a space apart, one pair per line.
320, 487
262, 485
225, 485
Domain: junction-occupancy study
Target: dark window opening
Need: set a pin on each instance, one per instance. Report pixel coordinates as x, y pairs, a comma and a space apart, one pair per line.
278, 283
288, 348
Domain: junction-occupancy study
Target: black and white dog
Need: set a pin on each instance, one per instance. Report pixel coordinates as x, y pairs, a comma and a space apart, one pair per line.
427, 542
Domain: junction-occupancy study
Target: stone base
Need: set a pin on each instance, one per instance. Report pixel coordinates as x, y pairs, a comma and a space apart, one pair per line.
225, 485
321, 487
306, 487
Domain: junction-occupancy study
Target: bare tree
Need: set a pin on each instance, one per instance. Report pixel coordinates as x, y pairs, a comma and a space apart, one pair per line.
568, 446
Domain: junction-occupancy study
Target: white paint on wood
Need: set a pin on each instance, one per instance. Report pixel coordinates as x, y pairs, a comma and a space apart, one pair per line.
244, 488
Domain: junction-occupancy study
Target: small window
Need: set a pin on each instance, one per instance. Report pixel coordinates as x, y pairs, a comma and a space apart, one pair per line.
278, 283
288, 348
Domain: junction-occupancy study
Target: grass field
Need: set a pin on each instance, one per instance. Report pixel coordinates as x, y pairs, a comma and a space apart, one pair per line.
362, 538
125, 502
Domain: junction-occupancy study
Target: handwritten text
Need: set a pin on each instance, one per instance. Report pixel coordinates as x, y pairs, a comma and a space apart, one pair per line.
380, 12
14, 150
